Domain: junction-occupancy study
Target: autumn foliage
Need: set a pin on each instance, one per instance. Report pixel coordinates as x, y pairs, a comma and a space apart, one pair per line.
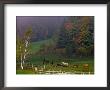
76, 36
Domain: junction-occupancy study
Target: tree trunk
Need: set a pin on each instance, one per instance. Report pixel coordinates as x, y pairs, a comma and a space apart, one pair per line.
24, 58
21, 62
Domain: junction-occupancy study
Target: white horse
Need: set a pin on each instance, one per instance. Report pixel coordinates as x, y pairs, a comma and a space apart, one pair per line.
66, 64
36, 69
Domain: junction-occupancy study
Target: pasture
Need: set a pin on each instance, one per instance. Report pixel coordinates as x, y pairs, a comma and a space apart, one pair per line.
53, 61
75, 66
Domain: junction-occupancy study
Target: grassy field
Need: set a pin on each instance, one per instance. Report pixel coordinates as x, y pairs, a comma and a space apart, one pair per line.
70, 68
24, 72
37, 60
36, 46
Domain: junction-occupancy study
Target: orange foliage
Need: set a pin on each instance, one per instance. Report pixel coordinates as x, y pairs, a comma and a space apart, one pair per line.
68, 26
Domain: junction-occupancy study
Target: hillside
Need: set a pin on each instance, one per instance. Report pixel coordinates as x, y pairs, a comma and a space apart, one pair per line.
36, 46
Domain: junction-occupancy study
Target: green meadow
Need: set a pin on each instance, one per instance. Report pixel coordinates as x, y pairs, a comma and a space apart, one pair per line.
37, 60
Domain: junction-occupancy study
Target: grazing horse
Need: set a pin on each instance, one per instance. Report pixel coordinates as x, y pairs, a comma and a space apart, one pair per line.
35, 69
85, 67
52, 62
58, 64
64, 64
75, 66
45, 61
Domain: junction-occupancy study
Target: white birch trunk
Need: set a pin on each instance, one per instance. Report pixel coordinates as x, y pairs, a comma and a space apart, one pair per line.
25, 50
26, 42
21, 62
23, 57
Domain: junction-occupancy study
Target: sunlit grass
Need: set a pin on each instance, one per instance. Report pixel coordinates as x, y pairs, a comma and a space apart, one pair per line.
24, 72
70, 68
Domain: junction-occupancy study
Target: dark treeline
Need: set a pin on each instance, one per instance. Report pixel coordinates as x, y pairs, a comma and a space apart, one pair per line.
77, 36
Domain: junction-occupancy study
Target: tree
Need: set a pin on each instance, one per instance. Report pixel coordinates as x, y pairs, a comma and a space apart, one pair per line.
23, 46
65, 39
84, 39
76, 35
20, 50
62, 37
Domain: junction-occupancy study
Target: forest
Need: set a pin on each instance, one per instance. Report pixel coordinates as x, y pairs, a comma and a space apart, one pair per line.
55, 45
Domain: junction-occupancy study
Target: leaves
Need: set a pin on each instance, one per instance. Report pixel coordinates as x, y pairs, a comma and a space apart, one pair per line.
22, 44
76, 35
